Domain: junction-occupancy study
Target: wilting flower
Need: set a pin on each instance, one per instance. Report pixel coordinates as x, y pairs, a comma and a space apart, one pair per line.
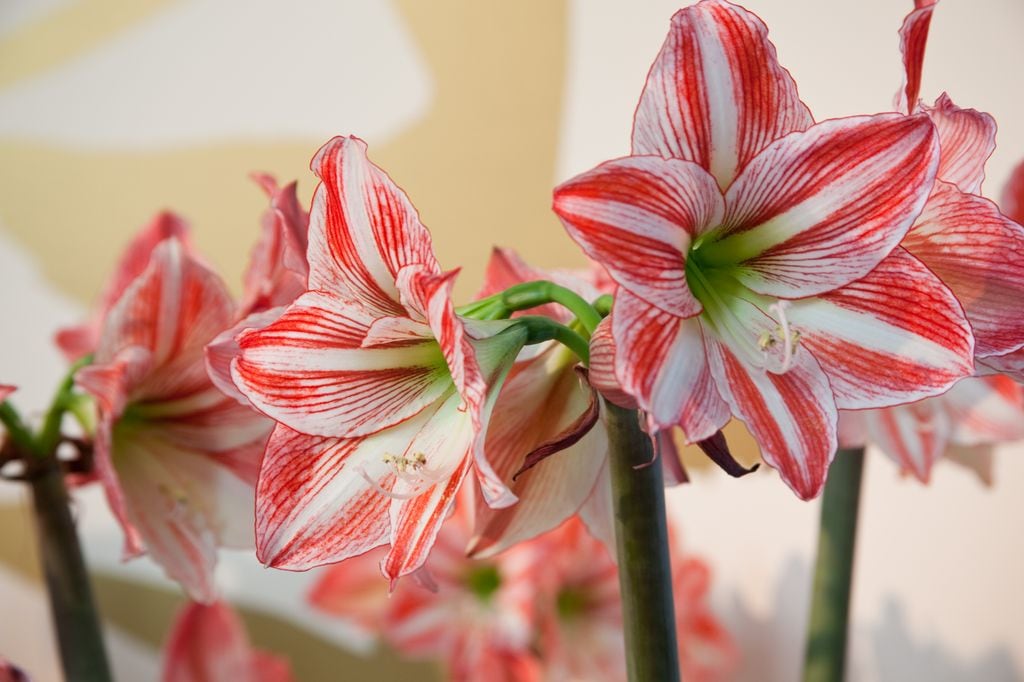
209, 643
580, 631
962, 237
756, 254
546, 412
178, 460
476, 616
381, 391
963, 424
80, 340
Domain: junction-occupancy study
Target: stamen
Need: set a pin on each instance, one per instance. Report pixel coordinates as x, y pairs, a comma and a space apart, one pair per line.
784, 334
383, 491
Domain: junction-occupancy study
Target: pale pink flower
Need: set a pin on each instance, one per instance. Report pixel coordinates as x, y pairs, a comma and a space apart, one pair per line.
209, 644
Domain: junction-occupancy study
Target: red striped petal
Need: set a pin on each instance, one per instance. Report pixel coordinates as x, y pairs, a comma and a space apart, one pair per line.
792, 416
979, 254
913, 38
915, 436
894, 336
224, 348
602, 367
172, 310
313, 504
309, 371
986, 410
637, 217
820, 209
660, 359
716, 94
540, 399
362, 230
1011, 202
967, 138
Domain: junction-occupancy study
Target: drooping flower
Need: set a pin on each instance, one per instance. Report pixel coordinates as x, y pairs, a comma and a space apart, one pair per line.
475, 616
966, 423
178, 460
580, 631
381, 391
544, 404
756, 254
80, 340
209, 642
962, 237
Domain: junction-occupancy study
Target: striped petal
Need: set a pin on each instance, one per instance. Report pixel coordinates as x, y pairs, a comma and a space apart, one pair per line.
1011, 364
602, 367
913, 38
820, 209
660, 359
895, 336
224, 349
967, 138
277, 270
171, 311
362, 230
1011, 202
541, 398
986, 410
81, 340
915, 436
979, 254
637, 216
716, 94
316, 502
309, 371
792, 416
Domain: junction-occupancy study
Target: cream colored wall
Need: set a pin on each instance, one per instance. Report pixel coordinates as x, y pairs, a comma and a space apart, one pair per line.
111, 109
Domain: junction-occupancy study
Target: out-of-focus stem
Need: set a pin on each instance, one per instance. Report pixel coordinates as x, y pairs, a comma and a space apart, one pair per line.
641, 539
828, 632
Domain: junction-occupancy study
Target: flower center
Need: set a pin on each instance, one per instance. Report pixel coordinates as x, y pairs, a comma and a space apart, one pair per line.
483, 581
412, 470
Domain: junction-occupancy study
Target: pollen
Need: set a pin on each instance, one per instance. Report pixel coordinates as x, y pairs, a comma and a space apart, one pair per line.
783, 340
406, 464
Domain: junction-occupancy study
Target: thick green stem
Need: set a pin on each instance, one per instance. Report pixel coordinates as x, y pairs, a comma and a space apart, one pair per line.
827, 635
641, 540
540, 329
79, 637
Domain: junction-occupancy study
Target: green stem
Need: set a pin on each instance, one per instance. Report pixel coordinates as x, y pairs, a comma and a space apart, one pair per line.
532, 295
79, 636
641, 539
16, 429
828, 632
541, 329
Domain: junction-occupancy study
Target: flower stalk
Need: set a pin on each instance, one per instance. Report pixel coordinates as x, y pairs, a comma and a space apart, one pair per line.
827, 636
641, 539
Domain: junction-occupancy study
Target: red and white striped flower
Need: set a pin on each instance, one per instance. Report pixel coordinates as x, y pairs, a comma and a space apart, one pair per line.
757, 255
963, 424
210, 643
545, 407
178, 459
381, 391
976, 250
476, 616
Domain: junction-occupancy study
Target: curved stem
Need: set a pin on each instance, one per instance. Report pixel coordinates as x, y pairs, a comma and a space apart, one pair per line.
827, 636
641, 540
16, 429
541, 329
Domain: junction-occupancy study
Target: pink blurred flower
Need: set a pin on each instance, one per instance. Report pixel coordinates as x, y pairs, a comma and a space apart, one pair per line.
208, 643
178, 460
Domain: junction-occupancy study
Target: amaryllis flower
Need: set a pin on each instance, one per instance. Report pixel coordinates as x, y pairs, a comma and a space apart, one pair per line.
962, 237
756, 254
967, 421
475, 616
545, 409
178, 459
381, 390
275, 277
80, 340
580, 634
209, 643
